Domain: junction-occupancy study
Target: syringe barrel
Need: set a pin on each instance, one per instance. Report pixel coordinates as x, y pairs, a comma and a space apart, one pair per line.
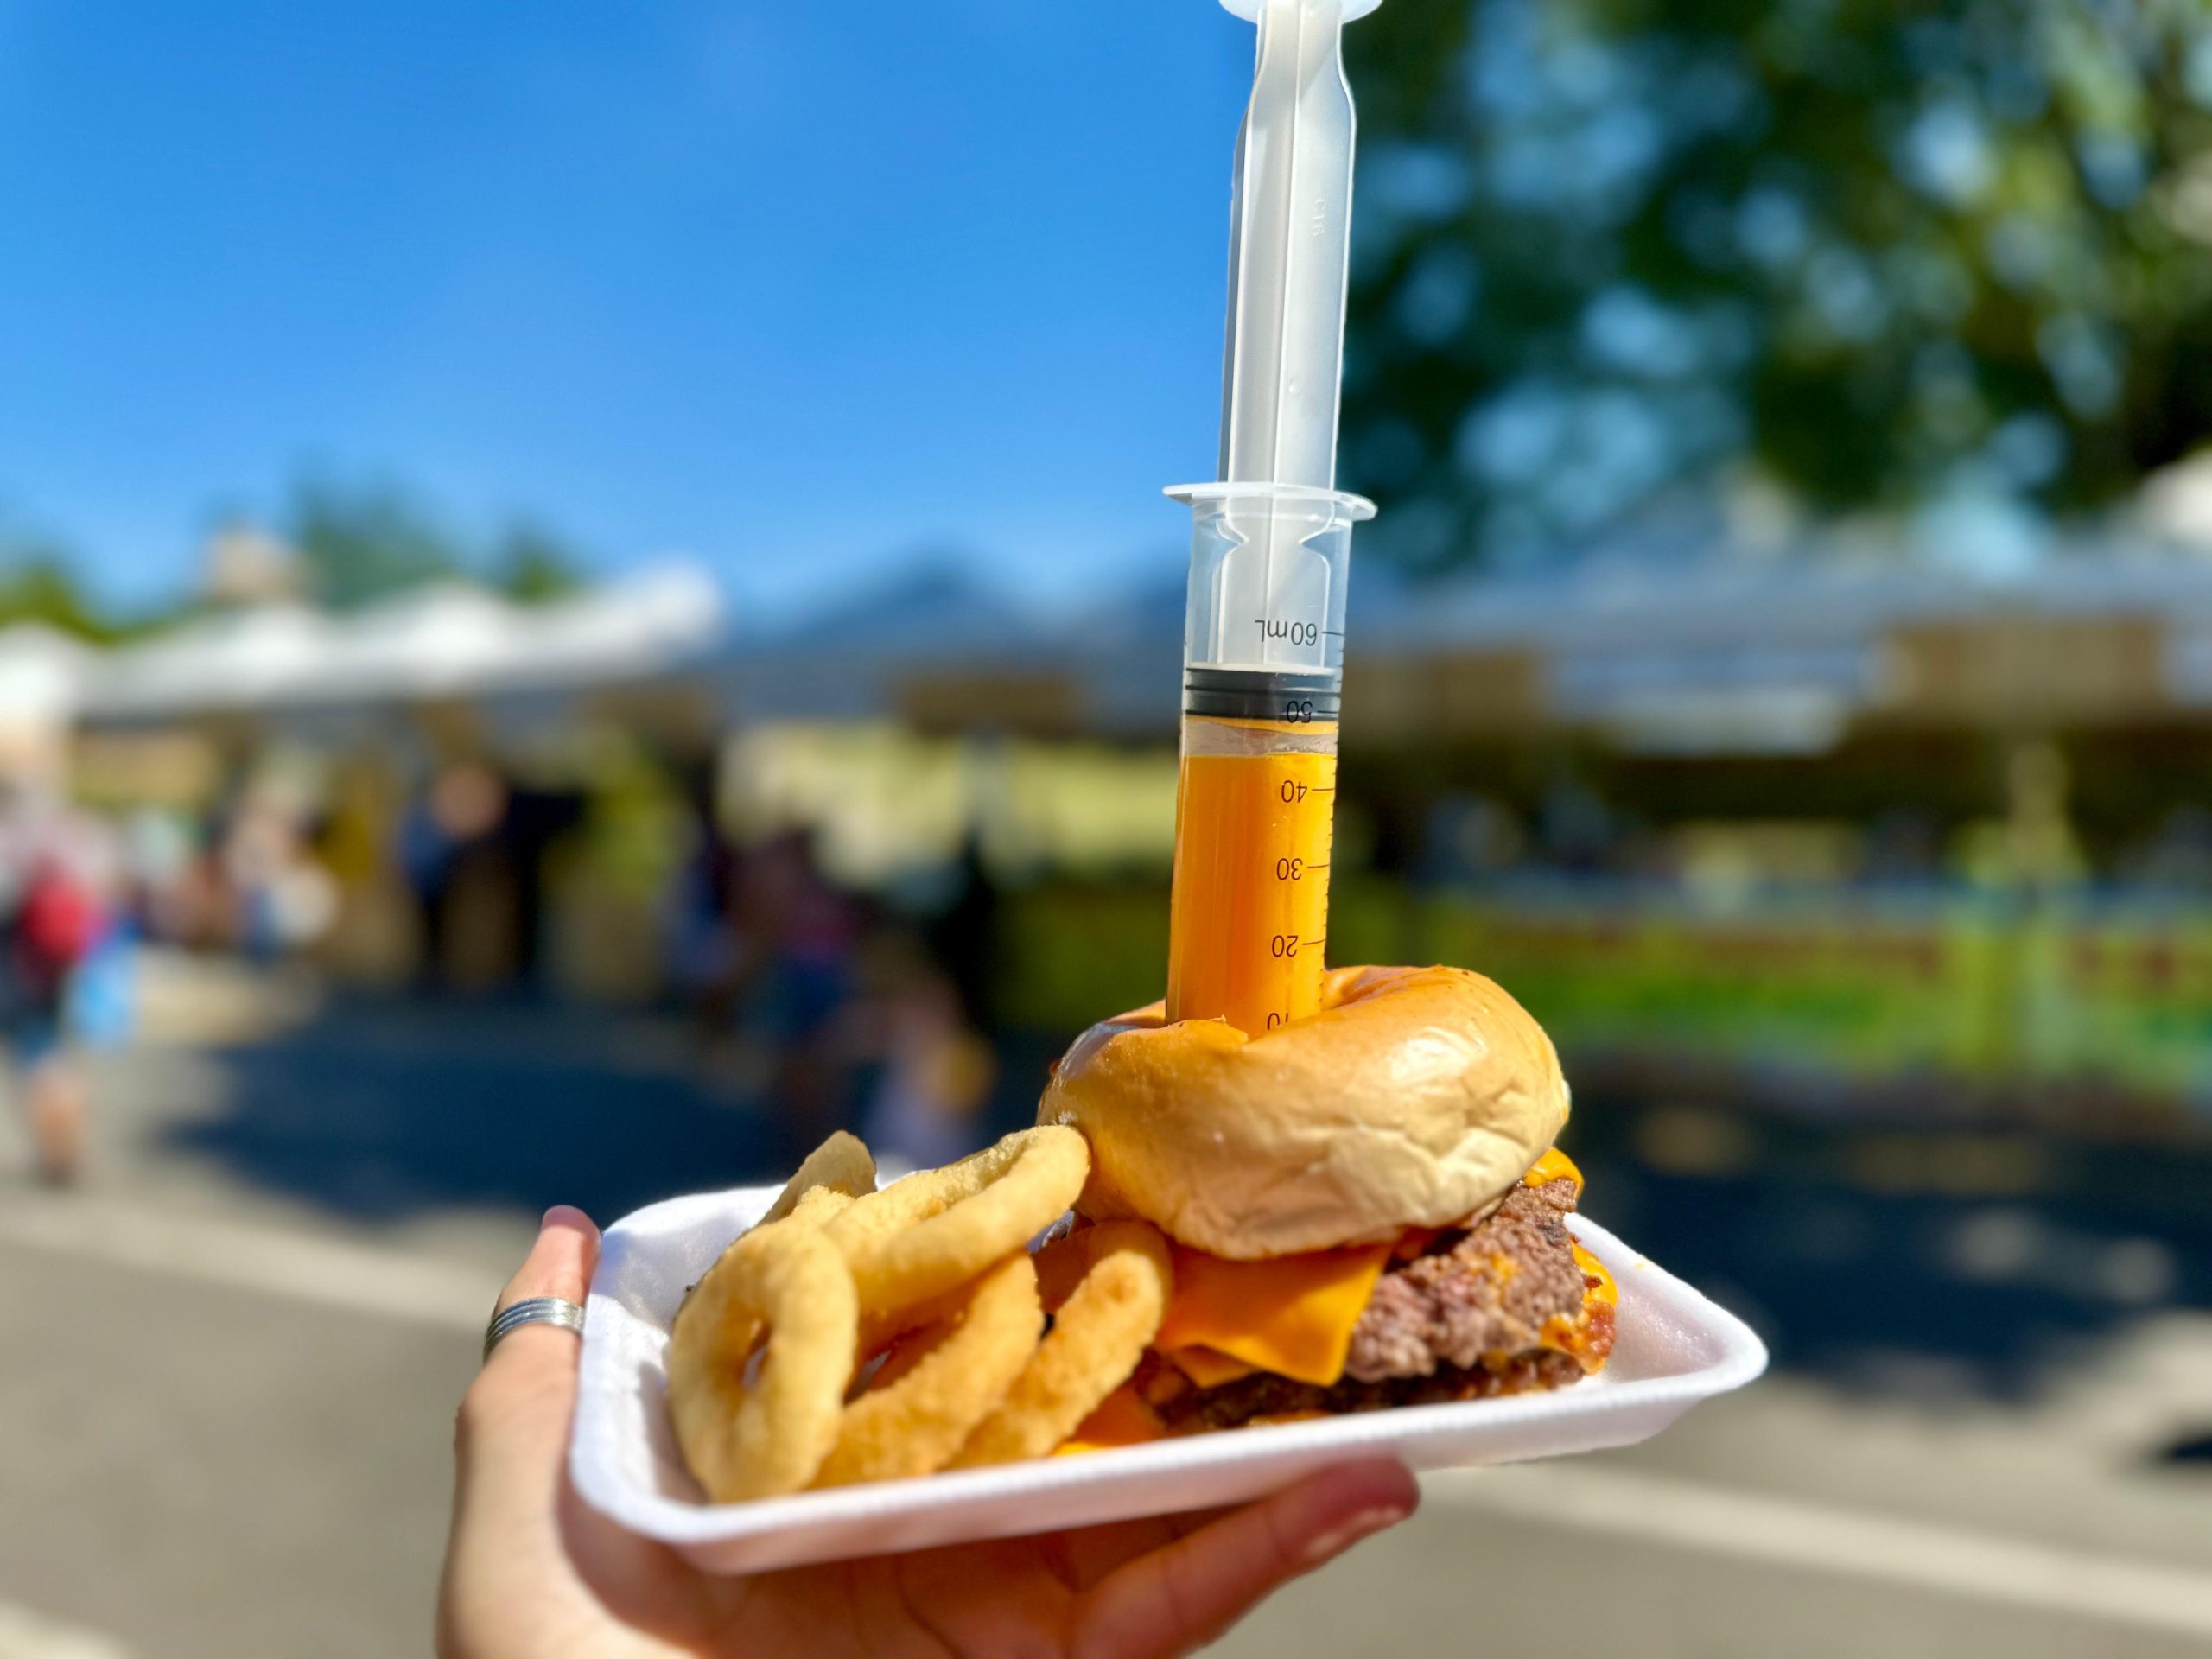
1264, 629
1263, 682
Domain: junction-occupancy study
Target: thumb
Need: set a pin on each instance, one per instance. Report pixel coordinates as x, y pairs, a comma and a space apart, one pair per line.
518, 1409
508, 1442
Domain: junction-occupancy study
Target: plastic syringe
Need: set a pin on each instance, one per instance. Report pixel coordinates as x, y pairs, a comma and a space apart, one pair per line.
1271, 547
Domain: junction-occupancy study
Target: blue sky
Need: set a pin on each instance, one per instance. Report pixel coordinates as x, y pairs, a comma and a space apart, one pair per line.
796, 289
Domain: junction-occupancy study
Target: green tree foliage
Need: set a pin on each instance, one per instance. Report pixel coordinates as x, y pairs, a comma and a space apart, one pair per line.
38, 585
1880, 250
362, 542
533, 566
44, 591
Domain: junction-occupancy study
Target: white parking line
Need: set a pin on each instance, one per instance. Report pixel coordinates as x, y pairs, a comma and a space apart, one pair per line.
27, 1635
273, 1262
1785, 1532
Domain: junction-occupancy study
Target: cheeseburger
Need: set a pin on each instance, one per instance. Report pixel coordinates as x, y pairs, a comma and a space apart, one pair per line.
1365, 1207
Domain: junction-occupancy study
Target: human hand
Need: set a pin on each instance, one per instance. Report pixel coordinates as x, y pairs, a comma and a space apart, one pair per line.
533, 1572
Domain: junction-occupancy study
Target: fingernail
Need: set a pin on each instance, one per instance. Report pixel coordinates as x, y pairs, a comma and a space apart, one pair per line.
546, 1220
1367, 1523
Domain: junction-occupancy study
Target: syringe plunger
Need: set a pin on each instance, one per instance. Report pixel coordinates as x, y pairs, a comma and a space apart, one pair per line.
1289, 241
1271, 542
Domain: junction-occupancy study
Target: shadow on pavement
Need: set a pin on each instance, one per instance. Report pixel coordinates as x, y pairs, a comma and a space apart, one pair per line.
378, 1111
1931, 1293
2192, 1449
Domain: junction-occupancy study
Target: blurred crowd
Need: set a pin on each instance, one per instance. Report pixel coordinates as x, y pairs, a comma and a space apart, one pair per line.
859, 1009
885, 995
839, 1005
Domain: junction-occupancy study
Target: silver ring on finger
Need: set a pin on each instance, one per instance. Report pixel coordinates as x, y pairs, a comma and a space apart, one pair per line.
536, 1310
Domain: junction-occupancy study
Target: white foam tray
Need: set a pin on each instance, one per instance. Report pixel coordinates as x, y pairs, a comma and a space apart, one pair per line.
1674, 1348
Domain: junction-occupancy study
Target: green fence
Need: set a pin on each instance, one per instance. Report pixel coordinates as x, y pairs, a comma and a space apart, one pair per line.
1984, 989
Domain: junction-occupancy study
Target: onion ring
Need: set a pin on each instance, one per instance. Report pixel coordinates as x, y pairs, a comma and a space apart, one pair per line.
842, 1163
816, 1207
769, 1438
1097, 1337
933, 1231
1061, 1260
813, 1207
914, 1424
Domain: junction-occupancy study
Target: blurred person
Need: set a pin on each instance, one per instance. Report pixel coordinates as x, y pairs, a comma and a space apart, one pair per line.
1467, 837
55, 879
705, 950
286, 899
535, 823
58, 919
1902, 848
531, 1572
160, 852
202, 905
372, 938
964, 936
1576, 828
801, 936
926, 1107
455, 870
2032, 853
2177, 856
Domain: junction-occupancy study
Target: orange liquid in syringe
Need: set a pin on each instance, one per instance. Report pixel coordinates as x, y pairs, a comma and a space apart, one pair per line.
1250, 917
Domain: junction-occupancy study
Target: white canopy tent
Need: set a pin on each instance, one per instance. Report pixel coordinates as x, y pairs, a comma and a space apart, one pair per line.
444, 641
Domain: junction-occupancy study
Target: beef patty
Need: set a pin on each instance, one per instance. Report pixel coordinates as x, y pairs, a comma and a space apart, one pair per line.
1488, 1290
1463, 1319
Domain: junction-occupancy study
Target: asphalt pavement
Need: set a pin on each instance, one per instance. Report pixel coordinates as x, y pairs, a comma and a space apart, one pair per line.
231, 1363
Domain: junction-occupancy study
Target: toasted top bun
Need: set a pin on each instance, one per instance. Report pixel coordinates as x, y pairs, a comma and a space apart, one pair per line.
1415, 1097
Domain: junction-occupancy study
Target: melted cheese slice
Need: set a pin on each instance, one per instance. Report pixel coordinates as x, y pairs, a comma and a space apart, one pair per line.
1208, 1367
1122, 1419
1553, 1165
1572, 1335
1292, 1316
1604, 1290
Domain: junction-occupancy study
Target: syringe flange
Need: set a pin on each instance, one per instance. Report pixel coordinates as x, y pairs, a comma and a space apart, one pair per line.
1263, 631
